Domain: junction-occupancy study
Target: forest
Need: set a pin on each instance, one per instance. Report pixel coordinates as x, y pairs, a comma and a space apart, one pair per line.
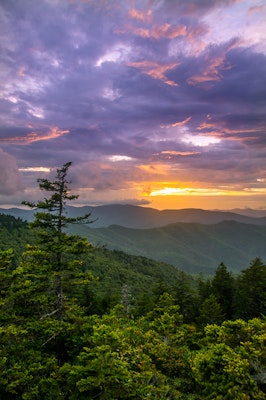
83, 322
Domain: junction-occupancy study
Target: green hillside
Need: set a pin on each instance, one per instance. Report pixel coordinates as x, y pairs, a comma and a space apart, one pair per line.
189, 246
83, 322
15, 234
113, 269
138, 217
143, 330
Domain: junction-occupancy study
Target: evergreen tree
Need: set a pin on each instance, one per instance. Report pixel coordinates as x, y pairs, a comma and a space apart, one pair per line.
211, 312
250, 297
41, 314
223, 289
56, 247
184, 296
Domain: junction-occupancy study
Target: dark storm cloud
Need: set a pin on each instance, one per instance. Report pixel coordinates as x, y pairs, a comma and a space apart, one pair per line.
85, 80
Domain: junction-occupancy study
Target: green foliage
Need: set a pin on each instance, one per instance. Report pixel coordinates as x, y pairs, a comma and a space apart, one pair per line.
114, 364
250, 297
210, 312
186, 296
115, 270
162, 337
191, 247
223, 289
55, 246
232, 361
14, 233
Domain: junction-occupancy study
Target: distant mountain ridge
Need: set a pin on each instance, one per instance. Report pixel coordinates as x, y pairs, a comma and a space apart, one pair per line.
191, 247
194, 240
143, 217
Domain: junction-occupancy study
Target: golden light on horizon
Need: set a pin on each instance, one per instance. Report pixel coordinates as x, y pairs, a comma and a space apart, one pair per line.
169, 197
181, 191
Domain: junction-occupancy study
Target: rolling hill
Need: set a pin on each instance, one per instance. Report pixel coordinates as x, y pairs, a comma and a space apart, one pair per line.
142, 217
113, 269
192, 247
191, 239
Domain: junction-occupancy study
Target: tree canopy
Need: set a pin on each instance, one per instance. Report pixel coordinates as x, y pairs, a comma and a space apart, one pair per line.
181, 339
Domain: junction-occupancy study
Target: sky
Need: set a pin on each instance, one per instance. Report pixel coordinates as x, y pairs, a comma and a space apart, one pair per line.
156, 103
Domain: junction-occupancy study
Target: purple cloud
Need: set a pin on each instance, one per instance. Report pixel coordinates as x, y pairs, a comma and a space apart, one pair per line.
10, 176
169, 87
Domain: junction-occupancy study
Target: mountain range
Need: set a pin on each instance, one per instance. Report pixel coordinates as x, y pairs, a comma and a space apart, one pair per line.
143, 217
193, 240
192, 247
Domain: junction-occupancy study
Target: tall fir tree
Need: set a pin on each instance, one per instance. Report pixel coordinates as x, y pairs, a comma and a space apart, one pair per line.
56, 247
250, 295
223, 289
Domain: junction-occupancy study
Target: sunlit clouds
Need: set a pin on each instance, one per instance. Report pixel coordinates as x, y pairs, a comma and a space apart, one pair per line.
178, 123
158, 103
32, 137
35, 169
116, 158
205, 192
199, 140
155, 70
139, 15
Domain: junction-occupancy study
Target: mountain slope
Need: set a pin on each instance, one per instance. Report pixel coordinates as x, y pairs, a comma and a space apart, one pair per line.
142, 217
113, 269
15, 234
192, 247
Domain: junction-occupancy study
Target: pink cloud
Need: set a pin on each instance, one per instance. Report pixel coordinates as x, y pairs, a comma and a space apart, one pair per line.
213, 66
256, 9
21, 71
212, 71
156, 32
139, 15
219, 130
32, 137
155, 70
178, 123
169, 154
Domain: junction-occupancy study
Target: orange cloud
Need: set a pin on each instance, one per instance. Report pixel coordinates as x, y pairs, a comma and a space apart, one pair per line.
139, 15
32, 137
155, 70
171, 153
156, 32
167, 31
214, 66
178, 123
211, 73
220, 131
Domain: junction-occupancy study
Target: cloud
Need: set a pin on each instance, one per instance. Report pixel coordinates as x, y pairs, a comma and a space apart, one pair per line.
256, 9
32, 137
155, 70
157, 32
140, 15
170, 154
213, 64
10, 177
178, 123
127, 91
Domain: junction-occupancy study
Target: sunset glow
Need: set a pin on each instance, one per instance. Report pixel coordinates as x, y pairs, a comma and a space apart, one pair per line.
168, 191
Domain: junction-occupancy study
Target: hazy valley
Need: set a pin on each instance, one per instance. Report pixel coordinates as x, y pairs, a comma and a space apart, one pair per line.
191, 239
